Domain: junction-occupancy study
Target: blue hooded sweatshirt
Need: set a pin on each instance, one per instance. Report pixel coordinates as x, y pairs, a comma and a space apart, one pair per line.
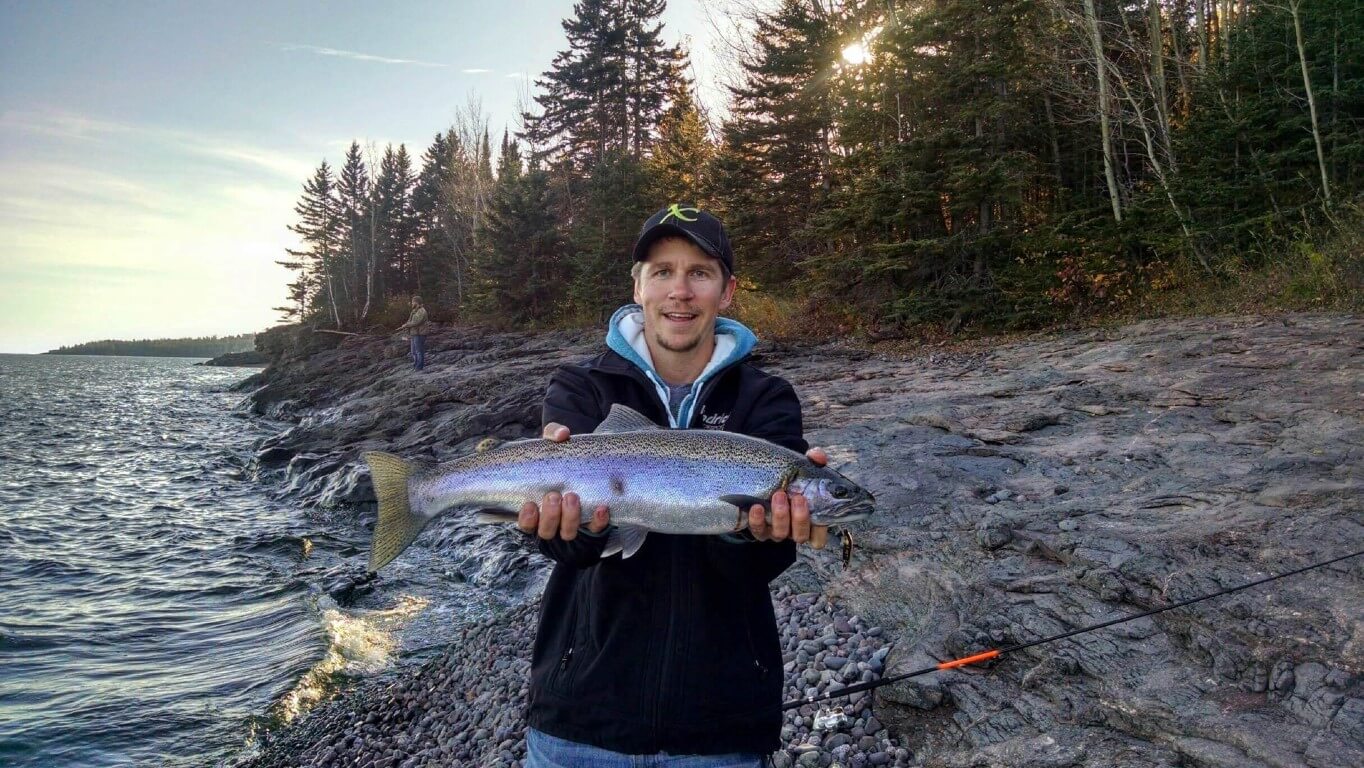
625, 336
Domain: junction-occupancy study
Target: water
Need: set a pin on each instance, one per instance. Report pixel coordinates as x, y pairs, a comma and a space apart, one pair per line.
157, 606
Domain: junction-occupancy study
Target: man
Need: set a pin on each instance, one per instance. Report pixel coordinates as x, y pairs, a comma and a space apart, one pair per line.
673, 652
417, 325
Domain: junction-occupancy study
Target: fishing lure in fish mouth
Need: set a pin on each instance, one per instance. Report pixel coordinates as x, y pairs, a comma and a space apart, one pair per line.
681, 481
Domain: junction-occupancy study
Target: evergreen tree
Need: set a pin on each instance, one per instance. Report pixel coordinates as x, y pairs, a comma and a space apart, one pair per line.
653, 72
318, 261
683, 152
772, 174
434, 250
615, 201
519, 275
396, 228
944, 182
605, 93
357, 240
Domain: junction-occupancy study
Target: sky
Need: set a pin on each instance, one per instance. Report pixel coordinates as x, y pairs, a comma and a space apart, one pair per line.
151, 153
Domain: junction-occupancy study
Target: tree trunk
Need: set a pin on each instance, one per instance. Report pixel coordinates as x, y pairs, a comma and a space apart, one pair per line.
1293, 6
1153, 157
1185, 100
1101, 71
1201, 18
373, 262
1055, 144
1157, 42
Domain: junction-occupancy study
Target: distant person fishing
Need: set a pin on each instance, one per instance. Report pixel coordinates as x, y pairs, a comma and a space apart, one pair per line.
669, 650
416, 327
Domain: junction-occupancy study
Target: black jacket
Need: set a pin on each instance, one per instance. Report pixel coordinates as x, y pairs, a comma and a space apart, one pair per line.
674, 649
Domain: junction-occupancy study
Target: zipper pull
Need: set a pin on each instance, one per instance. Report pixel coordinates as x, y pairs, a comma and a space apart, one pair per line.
568, 654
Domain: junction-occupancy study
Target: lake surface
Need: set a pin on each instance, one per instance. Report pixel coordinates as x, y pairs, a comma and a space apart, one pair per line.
158, 605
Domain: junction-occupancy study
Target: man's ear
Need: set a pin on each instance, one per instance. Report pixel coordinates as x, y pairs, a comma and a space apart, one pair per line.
728, 297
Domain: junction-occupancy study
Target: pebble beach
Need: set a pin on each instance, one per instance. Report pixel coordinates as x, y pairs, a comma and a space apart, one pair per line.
465, 706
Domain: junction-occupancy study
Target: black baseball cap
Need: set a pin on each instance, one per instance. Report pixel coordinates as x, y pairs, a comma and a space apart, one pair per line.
692, 223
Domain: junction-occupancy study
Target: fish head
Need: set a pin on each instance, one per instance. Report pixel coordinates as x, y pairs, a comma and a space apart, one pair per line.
832, 498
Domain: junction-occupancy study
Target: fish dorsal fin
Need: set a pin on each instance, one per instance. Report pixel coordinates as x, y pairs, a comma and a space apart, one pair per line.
624, 419
626, 539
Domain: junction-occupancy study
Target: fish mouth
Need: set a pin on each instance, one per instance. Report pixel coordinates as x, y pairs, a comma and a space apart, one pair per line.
849, 514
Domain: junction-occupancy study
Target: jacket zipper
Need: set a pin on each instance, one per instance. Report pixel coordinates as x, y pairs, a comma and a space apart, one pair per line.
709, 385
753, 648
640, 376
667, 649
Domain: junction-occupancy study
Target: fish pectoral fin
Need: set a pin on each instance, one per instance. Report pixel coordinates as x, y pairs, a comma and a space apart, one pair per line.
626, 539
494, 516
745, 502
624, 419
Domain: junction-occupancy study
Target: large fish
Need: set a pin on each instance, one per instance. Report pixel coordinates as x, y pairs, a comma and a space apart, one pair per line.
652, 479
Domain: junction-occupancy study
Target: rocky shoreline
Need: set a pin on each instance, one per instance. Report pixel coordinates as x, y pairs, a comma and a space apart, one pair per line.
1025, 489
464, 706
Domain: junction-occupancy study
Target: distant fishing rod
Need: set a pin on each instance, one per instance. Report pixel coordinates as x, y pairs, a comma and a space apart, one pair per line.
995, 653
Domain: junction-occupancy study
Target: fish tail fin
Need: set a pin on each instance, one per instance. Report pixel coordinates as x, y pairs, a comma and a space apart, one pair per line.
397, 525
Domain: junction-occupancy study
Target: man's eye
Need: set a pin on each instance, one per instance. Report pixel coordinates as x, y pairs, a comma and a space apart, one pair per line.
660, 273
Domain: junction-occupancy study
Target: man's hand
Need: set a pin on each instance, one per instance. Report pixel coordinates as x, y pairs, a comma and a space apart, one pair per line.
790, 515
559, 514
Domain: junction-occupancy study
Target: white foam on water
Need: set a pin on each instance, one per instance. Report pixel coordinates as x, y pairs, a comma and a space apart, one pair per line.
358, 644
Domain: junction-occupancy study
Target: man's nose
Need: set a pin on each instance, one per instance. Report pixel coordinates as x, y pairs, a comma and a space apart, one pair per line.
680, 288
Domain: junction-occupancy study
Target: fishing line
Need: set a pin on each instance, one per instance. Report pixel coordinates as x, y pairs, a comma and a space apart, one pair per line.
995, 653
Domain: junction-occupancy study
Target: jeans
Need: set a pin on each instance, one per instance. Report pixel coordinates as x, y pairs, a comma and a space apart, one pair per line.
418, 353
546, 751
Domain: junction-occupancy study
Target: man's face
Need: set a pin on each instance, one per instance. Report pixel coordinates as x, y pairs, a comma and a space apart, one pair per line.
682, 291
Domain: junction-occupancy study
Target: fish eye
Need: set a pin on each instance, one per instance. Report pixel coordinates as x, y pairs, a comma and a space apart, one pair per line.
839, 491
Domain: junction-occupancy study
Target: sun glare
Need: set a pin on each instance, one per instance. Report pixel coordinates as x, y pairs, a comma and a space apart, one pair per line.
855, 54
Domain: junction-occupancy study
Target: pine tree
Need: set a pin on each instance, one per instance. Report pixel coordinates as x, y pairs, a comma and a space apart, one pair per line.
396, 230
434, 251
605, 93
318, 261
357, 239
653, 72
615, 201
772, 174
683, 151
519, 276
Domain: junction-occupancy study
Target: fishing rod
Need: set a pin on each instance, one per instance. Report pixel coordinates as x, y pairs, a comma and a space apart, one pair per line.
340, 333
997, 652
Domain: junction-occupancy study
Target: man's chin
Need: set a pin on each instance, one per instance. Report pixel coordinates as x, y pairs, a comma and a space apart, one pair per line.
677, 345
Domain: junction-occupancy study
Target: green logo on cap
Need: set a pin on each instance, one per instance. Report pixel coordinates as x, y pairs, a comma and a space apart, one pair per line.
677, 210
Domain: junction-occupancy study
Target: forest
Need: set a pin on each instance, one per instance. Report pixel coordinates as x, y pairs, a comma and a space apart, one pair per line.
884, 168
205, 346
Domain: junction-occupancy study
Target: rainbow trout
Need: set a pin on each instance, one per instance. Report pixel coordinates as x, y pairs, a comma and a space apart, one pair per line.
692, 481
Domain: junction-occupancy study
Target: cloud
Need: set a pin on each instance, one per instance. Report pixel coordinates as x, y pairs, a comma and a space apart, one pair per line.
62, 125
278, 163
358, 56
476, 71
515, 76
66, 125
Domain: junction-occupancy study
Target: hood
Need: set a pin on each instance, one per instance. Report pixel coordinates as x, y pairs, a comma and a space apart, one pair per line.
625, 336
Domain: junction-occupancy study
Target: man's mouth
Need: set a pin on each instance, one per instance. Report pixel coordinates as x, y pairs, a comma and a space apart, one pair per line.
680, 318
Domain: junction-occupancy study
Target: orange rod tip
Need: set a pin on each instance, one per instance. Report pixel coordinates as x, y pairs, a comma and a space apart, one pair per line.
979, 657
